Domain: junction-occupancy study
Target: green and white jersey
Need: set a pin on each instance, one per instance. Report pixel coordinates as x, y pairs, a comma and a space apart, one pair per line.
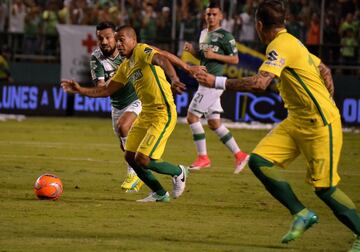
103, 68
221, 42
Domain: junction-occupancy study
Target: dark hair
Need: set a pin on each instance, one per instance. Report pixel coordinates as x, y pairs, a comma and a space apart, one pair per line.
214, 4
105, 25
271, 13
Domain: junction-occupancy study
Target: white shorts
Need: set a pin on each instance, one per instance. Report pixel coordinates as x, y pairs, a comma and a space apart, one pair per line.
134, 107
206, 102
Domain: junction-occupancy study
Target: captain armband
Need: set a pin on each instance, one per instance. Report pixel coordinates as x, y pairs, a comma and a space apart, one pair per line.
220, 82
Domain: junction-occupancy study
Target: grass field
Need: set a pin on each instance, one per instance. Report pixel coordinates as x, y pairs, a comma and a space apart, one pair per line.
219, 211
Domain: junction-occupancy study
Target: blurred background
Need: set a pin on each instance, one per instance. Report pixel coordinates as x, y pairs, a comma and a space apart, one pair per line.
31, 51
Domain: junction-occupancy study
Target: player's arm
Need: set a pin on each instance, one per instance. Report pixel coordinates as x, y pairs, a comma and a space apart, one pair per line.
325, 73
229, 59
165, 64
255, 83
188, 47
71, 86
192, 70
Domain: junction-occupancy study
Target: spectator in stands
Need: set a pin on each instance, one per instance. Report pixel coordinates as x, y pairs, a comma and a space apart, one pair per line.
164, 28
32, 24
228, 23
293, 26
331, 39
3, 15
349, 45
313, 35
49, 22
149, 24
17, 23
247, 23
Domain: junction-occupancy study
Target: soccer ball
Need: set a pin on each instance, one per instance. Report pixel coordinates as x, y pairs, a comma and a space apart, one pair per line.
48, 186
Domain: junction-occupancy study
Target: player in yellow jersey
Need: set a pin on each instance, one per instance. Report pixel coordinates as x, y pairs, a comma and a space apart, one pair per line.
143, 67
313, 125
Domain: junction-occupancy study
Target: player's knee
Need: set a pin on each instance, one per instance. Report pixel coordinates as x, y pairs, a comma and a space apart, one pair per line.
142, 160
324, 193
256, 161
191, 118
130, 158
214, 124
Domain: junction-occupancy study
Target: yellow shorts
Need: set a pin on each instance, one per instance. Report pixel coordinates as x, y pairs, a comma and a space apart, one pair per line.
150, 132
321, 147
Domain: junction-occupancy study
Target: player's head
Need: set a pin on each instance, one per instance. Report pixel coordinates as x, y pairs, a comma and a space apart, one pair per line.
213, 15
105, 33
270, 14
126, 40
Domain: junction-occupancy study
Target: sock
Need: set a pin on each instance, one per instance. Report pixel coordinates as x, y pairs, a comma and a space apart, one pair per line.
164, 168
226, 137
342, 206
199, 138
148, 178
130, 169
274, 183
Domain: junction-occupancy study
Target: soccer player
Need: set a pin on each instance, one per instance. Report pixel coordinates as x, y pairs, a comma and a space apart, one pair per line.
144, 68
217, 48
313, 125
125, 105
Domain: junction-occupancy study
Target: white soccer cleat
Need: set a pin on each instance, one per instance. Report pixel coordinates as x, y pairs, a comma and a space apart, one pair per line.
154, 197
179, 182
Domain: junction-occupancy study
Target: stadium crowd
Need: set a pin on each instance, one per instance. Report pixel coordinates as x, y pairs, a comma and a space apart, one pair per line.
30, 25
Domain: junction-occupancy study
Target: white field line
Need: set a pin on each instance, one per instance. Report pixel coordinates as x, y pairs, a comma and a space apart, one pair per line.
58, 158
57, 144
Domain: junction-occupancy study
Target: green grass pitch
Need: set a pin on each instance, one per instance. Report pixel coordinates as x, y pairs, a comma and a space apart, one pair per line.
219, 211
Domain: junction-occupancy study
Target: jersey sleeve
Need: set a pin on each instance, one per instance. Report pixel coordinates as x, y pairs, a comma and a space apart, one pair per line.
145, 53
277, 58
96, 69
230, 45
316, 60
120, 76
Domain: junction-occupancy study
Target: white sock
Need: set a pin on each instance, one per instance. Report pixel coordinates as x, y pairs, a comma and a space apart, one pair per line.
130, 169
226, 137
199, 138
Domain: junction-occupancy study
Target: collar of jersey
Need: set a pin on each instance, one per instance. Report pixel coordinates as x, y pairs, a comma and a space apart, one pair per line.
281, 32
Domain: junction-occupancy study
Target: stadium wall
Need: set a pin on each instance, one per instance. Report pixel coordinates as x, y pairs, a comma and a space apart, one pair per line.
37, 92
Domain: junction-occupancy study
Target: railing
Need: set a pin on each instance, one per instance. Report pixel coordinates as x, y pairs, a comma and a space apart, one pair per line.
46, 49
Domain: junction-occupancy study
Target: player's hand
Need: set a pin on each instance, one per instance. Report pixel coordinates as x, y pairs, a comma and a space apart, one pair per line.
178, 87
209, 54
188, 47
70, 86
205, 79
193, 70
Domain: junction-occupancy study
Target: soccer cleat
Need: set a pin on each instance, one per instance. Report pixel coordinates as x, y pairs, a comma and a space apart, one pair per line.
241, 159
299, 225
356, 245
135, 188
179, 182
131, 182
154, 197
202, 161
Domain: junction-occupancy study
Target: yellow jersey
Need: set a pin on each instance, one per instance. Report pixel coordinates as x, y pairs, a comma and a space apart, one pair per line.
301, 86
149, 81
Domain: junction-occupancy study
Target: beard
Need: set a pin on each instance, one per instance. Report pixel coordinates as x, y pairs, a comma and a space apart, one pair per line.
108, 52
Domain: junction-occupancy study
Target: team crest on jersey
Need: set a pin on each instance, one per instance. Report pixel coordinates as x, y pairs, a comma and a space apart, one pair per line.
148, 50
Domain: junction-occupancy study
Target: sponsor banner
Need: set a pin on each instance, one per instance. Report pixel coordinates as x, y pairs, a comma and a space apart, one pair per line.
76, 44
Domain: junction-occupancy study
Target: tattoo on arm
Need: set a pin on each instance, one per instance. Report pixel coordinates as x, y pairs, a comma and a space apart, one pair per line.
325, 73
257, 83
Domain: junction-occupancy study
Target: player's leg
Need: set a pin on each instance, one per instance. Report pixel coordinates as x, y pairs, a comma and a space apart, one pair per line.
198, 132
122, 121
279, 148
153, 146
199, 106
323, 156
132, 183
225, 136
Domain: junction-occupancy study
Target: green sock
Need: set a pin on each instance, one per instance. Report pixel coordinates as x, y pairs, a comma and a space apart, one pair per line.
274, 183
164, 167
148, 178
342, 206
